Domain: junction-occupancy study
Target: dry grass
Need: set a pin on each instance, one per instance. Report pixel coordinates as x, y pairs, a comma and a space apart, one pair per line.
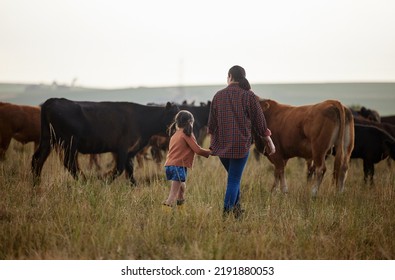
68, 219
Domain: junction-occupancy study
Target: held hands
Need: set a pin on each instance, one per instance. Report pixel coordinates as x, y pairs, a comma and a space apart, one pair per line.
270, 145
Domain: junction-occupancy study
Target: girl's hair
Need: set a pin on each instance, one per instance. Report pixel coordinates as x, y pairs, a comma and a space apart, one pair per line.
239, 75
184, 119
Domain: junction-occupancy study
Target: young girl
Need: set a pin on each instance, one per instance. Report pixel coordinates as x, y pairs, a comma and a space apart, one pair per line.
182, 150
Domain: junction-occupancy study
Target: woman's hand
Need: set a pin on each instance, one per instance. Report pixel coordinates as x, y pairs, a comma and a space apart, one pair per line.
269, 142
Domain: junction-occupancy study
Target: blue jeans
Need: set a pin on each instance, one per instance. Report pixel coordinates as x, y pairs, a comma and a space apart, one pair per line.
235, 168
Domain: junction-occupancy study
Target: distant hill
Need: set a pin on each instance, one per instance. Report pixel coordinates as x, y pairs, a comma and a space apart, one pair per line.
37, 94
378, 96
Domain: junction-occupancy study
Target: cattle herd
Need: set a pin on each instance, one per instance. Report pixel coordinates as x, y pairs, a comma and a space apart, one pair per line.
127, 130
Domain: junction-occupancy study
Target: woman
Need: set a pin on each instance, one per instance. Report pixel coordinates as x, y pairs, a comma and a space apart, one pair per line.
234, 111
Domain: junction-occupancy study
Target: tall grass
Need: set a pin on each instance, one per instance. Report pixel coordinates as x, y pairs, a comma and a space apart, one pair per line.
68, 219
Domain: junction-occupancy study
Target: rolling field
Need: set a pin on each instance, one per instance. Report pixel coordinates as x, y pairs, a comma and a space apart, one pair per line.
68, 219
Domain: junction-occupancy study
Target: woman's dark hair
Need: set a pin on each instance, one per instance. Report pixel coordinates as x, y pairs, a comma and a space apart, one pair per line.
239, 75
184, 119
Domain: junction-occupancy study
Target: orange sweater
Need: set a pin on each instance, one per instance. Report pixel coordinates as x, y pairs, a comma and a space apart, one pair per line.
182, 150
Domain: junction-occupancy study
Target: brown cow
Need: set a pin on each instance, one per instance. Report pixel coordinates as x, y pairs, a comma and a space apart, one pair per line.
157, 144
18, 122
21, 123
309, 132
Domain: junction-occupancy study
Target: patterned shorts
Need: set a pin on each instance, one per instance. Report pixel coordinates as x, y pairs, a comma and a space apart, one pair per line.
176, 173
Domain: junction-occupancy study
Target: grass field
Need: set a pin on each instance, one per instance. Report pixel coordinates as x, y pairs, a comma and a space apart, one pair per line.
68, 219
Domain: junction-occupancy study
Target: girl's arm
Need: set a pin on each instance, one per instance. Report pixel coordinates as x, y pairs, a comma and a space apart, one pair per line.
191, 141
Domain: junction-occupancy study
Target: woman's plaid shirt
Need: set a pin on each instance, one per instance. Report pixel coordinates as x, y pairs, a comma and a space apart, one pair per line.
233, 113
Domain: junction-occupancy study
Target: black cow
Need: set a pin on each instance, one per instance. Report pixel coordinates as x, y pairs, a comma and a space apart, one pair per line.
200, 114
387, 123
372, 144
388, 119
160, 143
388, 127
367, 114
121, 128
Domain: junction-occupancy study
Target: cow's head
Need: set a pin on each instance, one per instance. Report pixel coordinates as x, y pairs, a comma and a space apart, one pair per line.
171, 111
369, 114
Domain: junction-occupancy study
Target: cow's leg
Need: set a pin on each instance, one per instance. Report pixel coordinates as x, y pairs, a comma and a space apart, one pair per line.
70, 161
320, 170
156, 153
142, 155
279, 177
389, 162
129, 169
38, 160
283, 181
94, 161
130, 156
4, 144
276, 179
120, 159
140, 159
310, 169
121, 162
368, 171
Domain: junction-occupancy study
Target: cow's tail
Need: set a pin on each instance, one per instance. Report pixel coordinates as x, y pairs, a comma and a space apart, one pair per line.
44, 147
343, 145
46, 138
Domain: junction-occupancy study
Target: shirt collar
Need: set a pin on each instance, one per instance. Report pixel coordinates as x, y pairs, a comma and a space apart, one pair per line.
233, 84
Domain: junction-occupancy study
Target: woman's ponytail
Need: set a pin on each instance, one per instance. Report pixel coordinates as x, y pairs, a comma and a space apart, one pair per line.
244, 84
239, 75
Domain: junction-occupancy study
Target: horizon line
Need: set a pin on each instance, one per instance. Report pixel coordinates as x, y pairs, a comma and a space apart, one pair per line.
197, 85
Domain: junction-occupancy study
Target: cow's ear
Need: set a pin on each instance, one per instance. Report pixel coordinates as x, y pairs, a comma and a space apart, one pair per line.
265, 105
168, 105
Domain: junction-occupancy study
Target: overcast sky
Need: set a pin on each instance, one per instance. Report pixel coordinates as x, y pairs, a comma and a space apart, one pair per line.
123, 43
